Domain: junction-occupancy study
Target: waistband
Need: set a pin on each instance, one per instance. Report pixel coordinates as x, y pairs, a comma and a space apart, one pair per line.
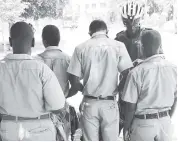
17, 118
153, 115
101, 98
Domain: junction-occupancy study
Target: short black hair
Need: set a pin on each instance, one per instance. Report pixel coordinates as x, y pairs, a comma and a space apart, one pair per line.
21, 30
51, 35
151, 41
21, 38
97, 25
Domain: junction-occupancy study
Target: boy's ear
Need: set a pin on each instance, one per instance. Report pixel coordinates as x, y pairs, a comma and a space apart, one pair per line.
33, 42
90, 33
10, 41
107, 31
45, 43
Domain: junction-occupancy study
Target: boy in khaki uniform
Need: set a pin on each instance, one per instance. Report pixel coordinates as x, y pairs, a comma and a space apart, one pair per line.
150, 94
98, 62
29, 91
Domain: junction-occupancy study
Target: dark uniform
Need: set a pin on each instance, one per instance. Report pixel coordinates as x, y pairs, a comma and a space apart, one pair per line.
133, 44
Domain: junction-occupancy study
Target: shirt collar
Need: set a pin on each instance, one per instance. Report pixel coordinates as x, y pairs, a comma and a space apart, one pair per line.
153, 57
52, 47
18, 57
100, 33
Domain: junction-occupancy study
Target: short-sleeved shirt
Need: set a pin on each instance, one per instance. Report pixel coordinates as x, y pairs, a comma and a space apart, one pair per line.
98, 62
152, 85
28, 88
58, 62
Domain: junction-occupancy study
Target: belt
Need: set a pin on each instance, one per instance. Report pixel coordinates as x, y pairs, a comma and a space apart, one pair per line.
17, 118
100, 98
153, 115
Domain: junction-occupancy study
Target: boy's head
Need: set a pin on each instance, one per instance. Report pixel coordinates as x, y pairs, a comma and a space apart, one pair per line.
21, 38
151, 41
96, 26
50, 36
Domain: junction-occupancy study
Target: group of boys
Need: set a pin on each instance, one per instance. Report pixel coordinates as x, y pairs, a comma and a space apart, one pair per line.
33, 91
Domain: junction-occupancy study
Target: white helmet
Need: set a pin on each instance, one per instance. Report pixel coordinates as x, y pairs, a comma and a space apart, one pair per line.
132, 10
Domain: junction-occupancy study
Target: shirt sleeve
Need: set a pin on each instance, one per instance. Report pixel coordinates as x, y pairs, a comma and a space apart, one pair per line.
75, 67
125, 61
53, 94
68, 61
130, 92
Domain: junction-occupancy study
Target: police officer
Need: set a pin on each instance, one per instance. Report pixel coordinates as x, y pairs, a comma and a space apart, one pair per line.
131, 13
150, 94
98, 62
29, 91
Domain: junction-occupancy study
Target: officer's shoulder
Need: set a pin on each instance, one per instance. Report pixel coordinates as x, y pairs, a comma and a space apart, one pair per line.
117, 43
120, 34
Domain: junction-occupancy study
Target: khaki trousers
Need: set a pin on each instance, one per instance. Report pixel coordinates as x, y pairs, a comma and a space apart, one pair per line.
100, 115
151, 129
31, 130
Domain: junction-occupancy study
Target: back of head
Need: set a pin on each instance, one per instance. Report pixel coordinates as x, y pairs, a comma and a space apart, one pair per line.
21, 38
96, 26
151, 41
50, 35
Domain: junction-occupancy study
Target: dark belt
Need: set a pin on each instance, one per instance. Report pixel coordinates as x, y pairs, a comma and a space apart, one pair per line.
100, 98
153, 115
17, 118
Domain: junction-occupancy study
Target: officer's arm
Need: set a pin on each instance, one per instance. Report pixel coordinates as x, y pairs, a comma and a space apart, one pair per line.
75, 85
129, 111
129, 97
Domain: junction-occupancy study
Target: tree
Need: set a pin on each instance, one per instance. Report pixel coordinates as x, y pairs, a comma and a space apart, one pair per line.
44, 8
10, 10
159, 6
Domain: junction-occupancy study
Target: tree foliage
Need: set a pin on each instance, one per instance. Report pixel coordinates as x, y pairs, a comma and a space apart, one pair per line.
44, 8
10, 10
161, 6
